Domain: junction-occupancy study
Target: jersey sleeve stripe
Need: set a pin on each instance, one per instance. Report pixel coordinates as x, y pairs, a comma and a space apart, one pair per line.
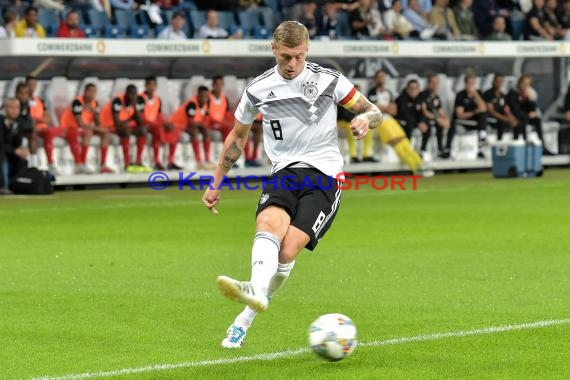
351, 98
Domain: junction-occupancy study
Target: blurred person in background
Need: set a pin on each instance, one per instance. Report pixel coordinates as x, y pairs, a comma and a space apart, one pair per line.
551, 12
537, 25
443, 20
409, 111
175, 31
498, 109
396, 23
211, 28
193, 117
499, 33
419, 19
43, 125
13, 156
470, 107
29, 26
123, 115
221, 116
366, 21
308, 17
326, 18
81, 119
522, 103
70, 27
465, 20
433, 116
163, 132
8, 29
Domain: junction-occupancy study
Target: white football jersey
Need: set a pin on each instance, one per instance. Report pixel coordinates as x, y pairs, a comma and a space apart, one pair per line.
299, 116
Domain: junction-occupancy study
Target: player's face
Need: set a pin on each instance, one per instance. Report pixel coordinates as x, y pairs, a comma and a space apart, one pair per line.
150, 87
23, 94
32, 18
12, 109
380, 78
470, 83
413, 90
203, 97
73, 20
90, 93
498, 83
132, 96
218, 86
434, 84
32, 84
290, 61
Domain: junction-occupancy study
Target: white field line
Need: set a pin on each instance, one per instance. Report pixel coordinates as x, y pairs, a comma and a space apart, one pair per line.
290, 353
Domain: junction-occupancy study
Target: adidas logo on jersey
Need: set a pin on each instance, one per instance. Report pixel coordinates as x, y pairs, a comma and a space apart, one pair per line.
271, 95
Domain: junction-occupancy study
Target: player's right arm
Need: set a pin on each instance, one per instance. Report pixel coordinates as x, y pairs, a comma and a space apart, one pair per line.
245, 114
232, 150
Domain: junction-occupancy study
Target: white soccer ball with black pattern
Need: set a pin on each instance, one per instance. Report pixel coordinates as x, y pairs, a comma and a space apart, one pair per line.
333, 336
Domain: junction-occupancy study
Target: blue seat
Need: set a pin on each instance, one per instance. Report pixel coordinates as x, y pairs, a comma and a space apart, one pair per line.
249, 20
98, 20
113, 31
226, 20
138, 31
47, 18
124, 19
167, 17
198, 18
90, 31
261, 33
267, 17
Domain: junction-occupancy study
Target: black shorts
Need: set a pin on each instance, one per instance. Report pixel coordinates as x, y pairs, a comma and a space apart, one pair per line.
310, 197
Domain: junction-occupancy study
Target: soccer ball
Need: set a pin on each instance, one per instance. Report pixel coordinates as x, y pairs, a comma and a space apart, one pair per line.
332, 336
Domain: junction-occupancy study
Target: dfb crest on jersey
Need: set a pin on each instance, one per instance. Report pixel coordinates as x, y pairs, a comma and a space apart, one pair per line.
310, 90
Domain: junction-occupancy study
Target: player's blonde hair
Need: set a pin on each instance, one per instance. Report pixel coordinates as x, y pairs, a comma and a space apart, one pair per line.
290, 34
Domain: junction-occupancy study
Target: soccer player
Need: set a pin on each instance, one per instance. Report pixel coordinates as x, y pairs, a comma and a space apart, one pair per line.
123, 115
298, 102
13, 156
26, 124
193, 117
470, 111
163, 132
433, 115
500, 112
81, 118
409, 111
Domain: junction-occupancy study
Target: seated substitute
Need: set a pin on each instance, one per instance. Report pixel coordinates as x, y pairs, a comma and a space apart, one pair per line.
123, 115
500, 114
433, 116
193, 117
81, 119
163, 132
470, 111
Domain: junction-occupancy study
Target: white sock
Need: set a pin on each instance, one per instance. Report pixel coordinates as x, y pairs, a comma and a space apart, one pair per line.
246, 317
264, 260
277, 281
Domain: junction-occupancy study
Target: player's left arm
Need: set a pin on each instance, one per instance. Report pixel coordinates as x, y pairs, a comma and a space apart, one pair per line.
368, 116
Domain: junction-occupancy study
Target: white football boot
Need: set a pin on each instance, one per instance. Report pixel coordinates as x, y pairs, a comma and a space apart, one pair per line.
242, 292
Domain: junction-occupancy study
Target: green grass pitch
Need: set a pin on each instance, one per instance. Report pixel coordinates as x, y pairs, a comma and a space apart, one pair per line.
105, 280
